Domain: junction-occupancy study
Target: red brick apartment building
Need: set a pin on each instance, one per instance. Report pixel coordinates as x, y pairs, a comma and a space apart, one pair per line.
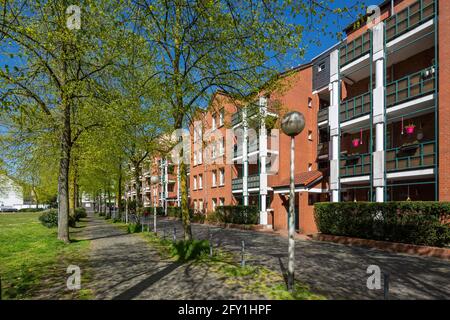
377, 121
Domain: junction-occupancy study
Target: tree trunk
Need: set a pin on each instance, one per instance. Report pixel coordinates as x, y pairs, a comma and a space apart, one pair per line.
63, 178
75, 186
184, 203
119, 190
137, 180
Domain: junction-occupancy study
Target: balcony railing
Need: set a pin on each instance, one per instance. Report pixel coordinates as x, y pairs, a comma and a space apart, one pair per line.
355, 165
236, 184
412, 156
236, 118
409, 18
251, 147
411, 86
322, 115
355, 107
323, 149
355, 49
252, 182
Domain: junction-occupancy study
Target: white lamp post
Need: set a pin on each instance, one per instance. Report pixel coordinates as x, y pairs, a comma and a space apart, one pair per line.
292, 124
154, 180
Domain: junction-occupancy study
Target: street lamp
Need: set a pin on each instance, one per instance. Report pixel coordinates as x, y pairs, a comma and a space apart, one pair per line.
292, 124
154, 180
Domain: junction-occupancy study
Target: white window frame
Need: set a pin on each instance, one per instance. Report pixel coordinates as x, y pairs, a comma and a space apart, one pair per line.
214, 178
200, 181
195, 182
221, 117
214, 124
200, 204
214, 203
221, 202
221, 177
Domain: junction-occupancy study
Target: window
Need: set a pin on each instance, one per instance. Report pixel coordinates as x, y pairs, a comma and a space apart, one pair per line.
309, 166
195, 158
214, 121
221, 148
221, 177
200, 205
221, 201
214, 204
321, 67
310, 102
200, 181
195, 205
214, 178
221, 117
195, 182
310, 137
213, 150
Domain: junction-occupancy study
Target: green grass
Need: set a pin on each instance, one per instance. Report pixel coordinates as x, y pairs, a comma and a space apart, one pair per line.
33, 261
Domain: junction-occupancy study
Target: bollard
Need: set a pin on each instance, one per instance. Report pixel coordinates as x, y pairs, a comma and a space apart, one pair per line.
210, 245
164, 234
174, 234
242, 253
386, 286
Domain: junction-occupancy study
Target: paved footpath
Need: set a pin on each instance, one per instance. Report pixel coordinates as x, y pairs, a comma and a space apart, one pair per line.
337, 271
123, 266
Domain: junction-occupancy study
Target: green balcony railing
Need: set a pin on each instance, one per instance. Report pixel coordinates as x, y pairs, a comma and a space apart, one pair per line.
409, 18
411, 86
322, 115
323, 149
236, 118
252, 182
355, 165
355, 107
354, 49
411, 156
251, 147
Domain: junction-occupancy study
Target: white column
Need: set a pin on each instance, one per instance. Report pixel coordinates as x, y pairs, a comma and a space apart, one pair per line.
262, 161
245, 158
378, 113
333, 116
166, 185
178, 185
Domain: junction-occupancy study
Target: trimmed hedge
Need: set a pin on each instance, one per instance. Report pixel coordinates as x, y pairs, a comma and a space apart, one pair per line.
49, 218
31, 210
237, 214
149, 211
419, 223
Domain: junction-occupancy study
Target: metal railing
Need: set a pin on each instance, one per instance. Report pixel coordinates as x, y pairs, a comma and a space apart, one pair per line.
323, 148
409, 18
411, 156
355, 107
322, 115
411, 86
355, 165
236, 184
252, 182
236, 118
354, 49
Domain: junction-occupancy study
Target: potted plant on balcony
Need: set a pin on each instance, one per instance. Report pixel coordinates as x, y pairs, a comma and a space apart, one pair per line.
355, 142
410, 128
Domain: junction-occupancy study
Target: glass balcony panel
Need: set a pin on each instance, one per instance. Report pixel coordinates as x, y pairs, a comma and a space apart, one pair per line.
411, 156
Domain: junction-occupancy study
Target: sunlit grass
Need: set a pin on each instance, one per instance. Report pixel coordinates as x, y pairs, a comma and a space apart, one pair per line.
32, 258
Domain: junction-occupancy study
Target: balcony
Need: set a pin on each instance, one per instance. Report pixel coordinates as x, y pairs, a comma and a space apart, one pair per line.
355, 107
251, 147
252, 182
236, 118
355, 165
322, 115
411, 86
409, 18
322, 150
411, 156
354, 49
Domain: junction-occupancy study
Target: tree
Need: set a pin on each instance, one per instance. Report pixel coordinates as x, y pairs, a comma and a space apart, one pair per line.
57, 72
201, 46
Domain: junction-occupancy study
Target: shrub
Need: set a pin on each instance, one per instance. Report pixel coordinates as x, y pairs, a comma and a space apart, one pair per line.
420, 223
31, 210
80, 213
188, 250
49, 218
131, 206
134, 227
237, 214
148, 211
174, 212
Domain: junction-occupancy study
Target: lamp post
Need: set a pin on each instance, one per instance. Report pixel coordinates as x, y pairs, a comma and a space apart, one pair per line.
154, 180
292, 124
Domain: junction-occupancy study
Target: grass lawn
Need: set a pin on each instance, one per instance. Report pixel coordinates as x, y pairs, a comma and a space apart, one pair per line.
33, 262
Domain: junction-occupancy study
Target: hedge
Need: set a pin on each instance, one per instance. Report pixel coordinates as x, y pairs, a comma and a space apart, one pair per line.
150, 211
420, 223
237, 214
49, 218
31, 210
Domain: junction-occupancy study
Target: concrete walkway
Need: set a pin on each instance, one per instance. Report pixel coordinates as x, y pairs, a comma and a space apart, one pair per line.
123, 266
337, 271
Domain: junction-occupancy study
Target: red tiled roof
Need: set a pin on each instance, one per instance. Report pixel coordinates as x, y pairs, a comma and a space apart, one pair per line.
304, 179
